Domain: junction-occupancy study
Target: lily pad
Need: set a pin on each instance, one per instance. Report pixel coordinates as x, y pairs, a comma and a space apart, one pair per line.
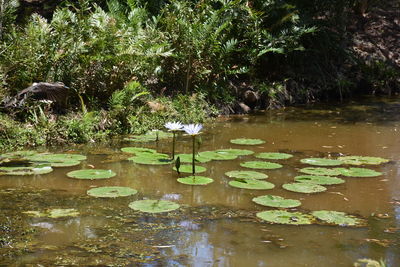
195, 180
273, 155
246, 175
217, 156
276, 201
149, 137
151, 159
251, 184
236, 152
362, 160
18, 154
186, 168
187, 158
318, 179
247, 141
337, 218
321, 162
57, 160
31, 170
53, 213
56, 157
153, 206
359, 172
68, 163
285, 217
321, 171
136, 150
261, 165
91, 174
111, 191
304, 188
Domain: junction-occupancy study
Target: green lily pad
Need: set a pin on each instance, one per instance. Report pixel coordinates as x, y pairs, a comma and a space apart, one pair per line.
247, 141
318, 179
359, 172
321, 162
261, 165
53, 213
91, 174
186, 168
18, 154
276, 201
56, 157
246, 175
68, 163
151, 159
31, 170
153, 206
217, 156
321, 171
251, 184
304, 188
136, 150
285, 217
111, 191
273, 155
149, 137
187, 158
195, 180
362, 160
236, 152
338, 218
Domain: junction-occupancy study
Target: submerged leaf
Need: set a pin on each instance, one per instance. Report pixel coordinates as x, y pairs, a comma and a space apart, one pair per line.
247, 141
337, 217
304, 188
91, 174
321, 162
276, 201
246, 175
251, 184
285, 217
153, 206
195, 180
53, 213
318, 179
111, 191
261, 165
273, 155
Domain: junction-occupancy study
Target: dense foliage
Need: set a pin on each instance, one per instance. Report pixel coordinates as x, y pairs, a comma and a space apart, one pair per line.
146, 61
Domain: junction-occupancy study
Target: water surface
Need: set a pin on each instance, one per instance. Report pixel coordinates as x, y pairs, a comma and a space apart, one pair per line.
216, 225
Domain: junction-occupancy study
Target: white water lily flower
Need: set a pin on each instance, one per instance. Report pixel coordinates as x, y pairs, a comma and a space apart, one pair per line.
173, 126
192, 129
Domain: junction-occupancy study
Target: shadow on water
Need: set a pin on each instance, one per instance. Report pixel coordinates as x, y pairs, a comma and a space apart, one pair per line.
216, 224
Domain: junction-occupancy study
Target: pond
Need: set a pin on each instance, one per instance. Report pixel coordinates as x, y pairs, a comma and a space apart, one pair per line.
216, 224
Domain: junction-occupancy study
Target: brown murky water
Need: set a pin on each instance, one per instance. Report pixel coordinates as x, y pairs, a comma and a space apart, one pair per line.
216, 225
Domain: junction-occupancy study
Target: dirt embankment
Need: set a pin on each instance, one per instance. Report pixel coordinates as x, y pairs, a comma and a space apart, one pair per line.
375, 34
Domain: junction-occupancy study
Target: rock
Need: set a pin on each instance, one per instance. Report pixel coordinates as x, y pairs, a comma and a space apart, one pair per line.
51, 93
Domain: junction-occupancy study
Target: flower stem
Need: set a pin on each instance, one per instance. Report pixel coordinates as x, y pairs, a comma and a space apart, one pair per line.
193, 157
173, 145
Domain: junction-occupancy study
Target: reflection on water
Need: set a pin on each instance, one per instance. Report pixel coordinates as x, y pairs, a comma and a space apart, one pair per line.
200, 234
